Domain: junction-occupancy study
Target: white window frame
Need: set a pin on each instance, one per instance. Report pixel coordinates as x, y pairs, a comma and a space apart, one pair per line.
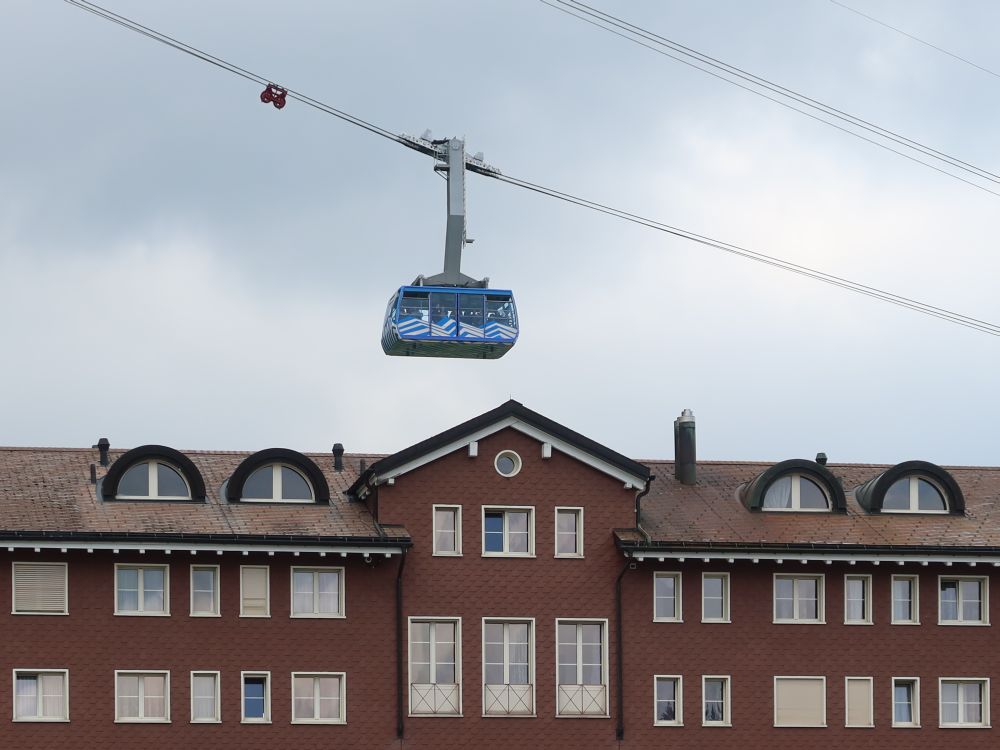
218, 696
678, 611
915, 703
796, 477
578, 512
915, 496
457, 510
342, 701
142, 703
984, 601
13, 587
678, 701
341, 594
866, 581
505, 509
276, 487
457, 621
22, 671
140, 612
727, 707
726, 615
985, 694
267, 590
532, 679
820, 599
914, 599
154, 482
871, 703
514, 456
266, 719
774, 700
603, 622
216, 594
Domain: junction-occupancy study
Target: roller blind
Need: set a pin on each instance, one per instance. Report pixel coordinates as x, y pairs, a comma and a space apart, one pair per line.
859, 702
799, 702
254, 592
40, 588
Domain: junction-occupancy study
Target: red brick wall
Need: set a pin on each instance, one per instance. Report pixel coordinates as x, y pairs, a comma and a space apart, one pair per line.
92, 642
543, 587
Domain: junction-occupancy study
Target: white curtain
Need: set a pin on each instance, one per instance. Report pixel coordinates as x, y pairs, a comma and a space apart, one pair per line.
26, 697
779, 494
203, 703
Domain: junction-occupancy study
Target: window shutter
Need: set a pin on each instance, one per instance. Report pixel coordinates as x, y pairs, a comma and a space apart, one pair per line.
799, 703
859, 703
40, 588
255, 592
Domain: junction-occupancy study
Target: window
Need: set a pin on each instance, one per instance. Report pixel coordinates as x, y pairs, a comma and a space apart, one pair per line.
569, 532
447, 530
905, 702
317, 592
39, 589
858, 600
905, 600
205, 698
508, 667
41, 695
507, 463
963, 600
667, 597
914, 494
509, 531
800, 701
795, 492
715, 597
798, 599
204, 590
318, 698
254, 599
142, 697
256, 697
435, 667
153, 480
277, 483
964, 702
582, 670
858, 702
668, 710
142, 590
715, 701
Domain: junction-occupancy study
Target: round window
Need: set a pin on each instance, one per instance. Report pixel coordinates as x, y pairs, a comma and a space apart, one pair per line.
507, 463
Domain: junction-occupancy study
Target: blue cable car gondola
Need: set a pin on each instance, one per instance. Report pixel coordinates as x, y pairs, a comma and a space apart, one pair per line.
441, 321
451, 314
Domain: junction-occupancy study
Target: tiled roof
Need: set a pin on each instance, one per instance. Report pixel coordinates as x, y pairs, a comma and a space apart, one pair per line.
49, 490
711, 512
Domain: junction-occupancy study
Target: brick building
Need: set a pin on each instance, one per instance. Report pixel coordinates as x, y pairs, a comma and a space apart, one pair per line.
508, 581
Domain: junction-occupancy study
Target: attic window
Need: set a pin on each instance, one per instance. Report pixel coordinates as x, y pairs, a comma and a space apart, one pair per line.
277, 483
914, 494
507, 463
795, 492
152, 480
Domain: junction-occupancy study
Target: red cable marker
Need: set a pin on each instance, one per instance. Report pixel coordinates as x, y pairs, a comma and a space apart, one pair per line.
274, 94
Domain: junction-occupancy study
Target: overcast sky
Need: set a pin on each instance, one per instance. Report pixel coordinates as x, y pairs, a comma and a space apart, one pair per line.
181, 264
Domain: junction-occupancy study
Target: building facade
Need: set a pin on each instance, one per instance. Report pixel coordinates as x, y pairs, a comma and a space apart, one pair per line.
508, 581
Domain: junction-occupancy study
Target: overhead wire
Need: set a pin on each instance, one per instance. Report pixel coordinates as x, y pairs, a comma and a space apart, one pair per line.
837, 281
757, 85
915, 38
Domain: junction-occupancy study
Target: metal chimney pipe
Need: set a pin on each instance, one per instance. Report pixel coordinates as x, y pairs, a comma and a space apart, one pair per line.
685, 455
103, 446
338, 456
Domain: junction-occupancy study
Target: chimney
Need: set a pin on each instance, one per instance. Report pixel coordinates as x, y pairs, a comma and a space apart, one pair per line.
821, 459
685, 460
103, 445
338, 456
362, 466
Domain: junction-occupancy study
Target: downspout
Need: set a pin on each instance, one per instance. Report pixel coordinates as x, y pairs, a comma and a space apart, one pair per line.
638, 508
399, 646
619, 648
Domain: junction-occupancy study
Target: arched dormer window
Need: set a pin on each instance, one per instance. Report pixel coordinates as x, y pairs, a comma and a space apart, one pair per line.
912, 487
278, 475
153, 472
795, 485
